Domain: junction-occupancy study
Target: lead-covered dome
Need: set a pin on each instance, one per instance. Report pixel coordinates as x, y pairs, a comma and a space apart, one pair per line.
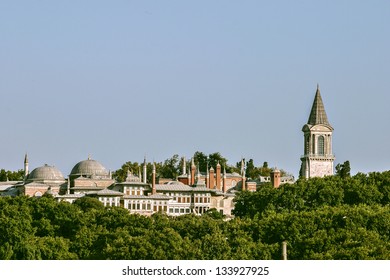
45, 173
89, 167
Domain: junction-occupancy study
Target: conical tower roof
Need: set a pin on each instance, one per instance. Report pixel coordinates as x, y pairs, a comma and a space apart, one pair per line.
318, 114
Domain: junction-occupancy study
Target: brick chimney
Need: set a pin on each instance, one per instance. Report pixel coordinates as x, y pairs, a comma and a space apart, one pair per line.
193, 167
211, 179
275, 178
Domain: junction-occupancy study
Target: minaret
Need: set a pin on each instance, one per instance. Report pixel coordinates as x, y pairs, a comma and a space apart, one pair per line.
184, 168
154, 179
318, 158
25, 167
243, 175
145, 170
207, 177
68, 186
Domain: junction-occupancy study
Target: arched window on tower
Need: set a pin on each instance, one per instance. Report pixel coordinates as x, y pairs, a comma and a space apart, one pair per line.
321, 145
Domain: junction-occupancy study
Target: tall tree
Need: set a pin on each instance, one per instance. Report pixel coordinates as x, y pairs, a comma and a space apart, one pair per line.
343, 169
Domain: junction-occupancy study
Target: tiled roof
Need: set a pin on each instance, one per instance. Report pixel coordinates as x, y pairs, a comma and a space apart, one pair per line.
182, 187
109, 192
145, 197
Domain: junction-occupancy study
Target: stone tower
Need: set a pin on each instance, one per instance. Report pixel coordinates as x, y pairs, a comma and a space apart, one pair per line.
318, 158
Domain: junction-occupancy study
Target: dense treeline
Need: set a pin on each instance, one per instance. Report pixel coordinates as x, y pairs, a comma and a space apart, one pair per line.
305, 195
330, 218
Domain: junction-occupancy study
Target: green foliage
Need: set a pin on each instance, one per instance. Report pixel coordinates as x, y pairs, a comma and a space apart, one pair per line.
87, 203
321, 218
11, 175
343, 169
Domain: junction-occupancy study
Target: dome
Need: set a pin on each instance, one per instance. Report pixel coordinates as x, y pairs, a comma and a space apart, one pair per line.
46, 172
89, 167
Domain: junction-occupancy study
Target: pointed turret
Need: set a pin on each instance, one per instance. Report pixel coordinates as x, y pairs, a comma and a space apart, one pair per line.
154, 179
318, 114
25, 166
145, 175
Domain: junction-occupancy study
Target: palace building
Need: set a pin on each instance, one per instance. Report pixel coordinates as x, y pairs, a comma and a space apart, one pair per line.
90, 178
191, 192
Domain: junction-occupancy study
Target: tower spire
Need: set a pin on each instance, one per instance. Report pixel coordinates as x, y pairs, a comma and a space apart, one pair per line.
317, 113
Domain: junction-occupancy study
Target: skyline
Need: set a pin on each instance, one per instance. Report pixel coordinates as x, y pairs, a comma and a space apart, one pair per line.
127, 79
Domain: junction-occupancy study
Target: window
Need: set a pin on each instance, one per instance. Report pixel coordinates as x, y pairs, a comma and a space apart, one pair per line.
307, 143
321, 150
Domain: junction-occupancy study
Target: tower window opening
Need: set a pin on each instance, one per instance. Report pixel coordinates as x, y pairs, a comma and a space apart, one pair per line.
321, 146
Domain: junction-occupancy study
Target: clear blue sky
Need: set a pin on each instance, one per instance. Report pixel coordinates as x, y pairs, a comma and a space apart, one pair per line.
121, 79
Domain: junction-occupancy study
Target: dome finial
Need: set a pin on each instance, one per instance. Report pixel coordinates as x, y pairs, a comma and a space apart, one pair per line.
89, 156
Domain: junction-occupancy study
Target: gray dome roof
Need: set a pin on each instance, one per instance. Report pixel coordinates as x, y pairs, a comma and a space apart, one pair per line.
89, 167
45, 172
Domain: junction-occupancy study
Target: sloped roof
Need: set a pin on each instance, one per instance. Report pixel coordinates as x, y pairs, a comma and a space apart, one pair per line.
318, 114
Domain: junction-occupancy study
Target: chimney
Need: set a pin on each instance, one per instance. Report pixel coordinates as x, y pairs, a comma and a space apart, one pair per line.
211, 179
193, 167
275, 178
218, 177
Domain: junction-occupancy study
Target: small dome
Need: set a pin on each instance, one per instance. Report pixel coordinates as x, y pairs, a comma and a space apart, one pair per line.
45, 172
89, 167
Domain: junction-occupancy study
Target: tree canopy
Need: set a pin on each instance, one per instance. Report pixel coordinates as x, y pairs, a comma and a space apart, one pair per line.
320, 218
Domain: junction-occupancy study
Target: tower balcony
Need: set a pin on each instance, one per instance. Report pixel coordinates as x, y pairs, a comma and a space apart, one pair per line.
318, 156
